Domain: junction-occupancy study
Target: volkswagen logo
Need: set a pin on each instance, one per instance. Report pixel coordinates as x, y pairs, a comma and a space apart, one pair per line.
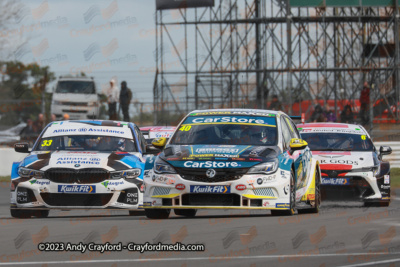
77, 165
210, 173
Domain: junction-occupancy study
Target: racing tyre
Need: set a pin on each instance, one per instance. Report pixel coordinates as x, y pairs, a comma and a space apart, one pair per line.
157, 213
22, 214
318, 196
185, 212
292, 210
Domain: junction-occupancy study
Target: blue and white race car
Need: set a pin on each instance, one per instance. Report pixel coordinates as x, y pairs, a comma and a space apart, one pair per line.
232, 159
80, 164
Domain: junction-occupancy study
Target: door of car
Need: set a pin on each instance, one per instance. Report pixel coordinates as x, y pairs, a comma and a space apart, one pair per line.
301, 157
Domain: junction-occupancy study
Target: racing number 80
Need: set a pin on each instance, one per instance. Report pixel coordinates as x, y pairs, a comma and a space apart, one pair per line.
47, 142
185, 128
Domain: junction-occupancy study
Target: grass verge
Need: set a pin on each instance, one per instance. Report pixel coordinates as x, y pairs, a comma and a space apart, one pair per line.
5, 178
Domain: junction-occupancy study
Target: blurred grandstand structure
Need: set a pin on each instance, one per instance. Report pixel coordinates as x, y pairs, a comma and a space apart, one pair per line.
223, 54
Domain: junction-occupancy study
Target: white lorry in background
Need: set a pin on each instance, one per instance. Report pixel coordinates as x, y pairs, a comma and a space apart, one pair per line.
76, 97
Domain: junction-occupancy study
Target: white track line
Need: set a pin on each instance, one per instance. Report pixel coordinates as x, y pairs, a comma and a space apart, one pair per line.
200, 258
373, 263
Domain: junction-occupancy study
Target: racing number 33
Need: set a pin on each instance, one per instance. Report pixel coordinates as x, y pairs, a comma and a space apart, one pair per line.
47, 142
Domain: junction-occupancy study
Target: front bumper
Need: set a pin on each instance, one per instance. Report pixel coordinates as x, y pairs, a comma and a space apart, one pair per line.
44, 194
361, 186
171, 191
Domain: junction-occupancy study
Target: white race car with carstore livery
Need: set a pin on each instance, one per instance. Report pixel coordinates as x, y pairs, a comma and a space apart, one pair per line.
232, 159
352, 168
86, 164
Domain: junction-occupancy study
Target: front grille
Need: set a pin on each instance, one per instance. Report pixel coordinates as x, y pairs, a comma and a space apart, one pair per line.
76, 200
211, 200
222, 175
357, 188
82, 176
264, 192
161, 191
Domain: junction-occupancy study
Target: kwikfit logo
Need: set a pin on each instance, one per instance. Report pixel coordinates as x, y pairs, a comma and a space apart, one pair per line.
222, 189
76, 189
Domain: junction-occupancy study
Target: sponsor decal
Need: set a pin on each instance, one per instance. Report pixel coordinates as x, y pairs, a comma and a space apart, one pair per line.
282, 205
210, 164
180, 186
132, 197
385, 198
253, 113
147, 204
216, 150
266, 179
385, 186
163, 179
226, 155
339, 161
112, 183
241, 187
286, 189
335, 181
220, 158
230, 119
78, 160
386, 179
201, 155
64, 131
90, 130
221, 189
77, 189
40, 182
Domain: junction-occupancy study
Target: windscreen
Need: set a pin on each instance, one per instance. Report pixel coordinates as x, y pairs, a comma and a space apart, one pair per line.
229, 130
86, 143
337, 142
75, 87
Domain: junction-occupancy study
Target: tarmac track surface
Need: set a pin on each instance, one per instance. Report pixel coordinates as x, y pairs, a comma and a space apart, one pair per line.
343, 234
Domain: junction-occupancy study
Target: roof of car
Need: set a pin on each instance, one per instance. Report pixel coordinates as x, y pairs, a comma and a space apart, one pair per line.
331, 127
235, 111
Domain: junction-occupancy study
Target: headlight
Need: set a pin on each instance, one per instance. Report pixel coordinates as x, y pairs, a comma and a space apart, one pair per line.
264, 168
126, 174
28, 173
163, 167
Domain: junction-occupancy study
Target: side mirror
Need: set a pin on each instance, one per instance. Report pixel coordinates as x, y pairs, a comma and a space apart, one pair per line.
21, 148
385, 150
150, 149
159, 142
297, 144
